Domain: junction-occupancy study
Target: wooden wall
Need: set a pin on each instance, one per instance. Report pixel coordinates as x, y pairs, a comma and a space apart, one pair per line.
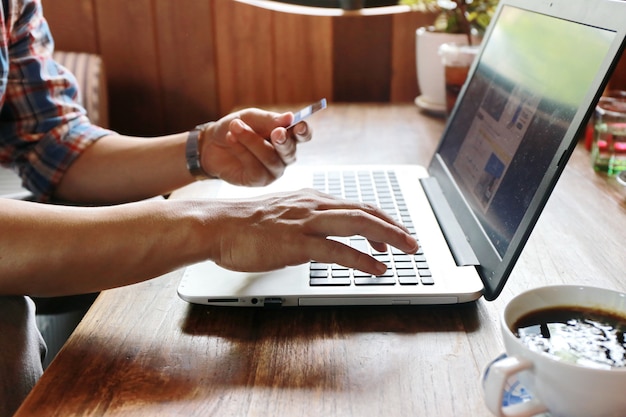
158, 54
172, 64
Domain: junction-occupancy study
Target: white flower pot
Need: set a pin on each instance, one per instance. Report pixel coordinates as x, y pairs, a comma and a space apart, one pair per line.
430, 71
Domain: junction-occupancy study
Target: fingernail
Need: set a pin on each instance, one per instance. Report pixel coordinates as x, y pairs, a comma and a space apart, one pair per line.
382, 268
281, 137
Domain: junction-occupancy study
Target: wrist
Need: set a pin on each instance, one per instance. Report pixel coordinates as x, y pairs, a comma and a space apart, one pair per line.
193, 152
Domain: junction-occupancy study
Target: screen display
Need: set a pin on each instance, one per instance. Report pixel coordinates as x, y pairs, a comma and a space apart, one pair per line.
531, 78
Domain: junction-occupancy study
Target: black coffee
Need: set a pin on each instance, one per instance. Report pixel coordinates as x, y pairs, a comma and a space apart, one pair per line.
590, 337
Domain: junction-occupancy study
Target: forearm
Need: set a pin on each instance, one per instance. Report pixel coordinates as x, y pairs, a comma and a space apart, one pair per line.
249, 148
55, 250
120, 169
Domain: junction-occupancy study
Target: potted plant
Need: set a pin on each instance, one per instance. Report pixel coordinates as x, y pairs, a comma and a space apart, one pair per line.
468, 17
457, 21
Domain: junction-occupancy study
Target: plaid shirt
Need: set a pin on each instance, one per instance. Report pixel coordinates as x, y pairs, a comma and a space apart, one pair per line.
42, 127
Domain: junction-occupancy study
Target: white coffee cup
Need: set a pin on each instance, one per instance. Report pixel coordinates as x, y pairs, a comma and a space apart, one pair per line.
563, 389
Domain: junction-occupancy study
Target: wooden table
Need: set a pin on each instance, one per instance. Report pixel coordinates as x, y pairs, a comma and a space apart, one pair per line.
142, 351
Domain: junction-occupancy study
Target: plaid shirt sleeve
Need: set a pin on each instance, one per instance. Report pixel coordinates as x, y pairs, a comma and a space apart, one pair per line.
42, 127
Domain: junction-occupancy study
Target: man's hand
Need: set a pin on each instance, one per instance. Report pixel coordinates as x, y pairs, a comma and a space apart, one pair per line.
279, 230
251, 147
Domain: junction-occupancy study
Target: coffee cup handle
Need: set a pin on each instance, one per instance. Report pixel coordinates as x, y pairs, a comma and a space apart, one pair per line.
494, 384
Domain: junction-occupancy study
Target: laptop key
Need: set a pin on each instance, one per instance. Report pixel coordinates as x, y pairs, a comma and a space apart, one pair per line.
419, 257
330, 281
360, 245
340, 273
318, 266
374, 280
406, 272
316, 273
402, 258
421, 265
405, 265
427, 280
426, 277
411, 280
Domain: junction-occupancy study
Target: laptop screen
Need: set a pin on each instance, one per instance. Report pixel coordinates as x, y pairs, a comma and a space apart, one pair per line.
520, 103
527, 96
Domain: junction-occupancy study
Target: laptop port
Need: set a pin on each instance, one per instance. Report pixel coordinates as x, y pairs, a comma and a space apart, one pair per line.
272, 302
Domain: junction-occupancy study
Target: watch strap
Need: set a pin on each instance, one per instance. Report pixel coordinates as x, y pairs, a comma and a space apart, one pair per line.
192, 152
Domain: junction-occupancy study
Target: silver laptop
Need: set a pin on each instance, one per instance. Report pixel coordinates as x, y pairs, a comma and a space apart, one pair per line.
540, 70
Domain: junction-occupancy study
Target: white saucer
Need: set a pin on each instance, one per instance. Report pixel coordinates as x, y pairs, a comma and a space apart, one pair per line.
430, 107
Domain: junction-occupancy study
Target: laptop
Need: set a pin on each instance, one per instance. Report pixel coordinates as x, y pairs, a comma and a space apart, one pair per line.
540, 70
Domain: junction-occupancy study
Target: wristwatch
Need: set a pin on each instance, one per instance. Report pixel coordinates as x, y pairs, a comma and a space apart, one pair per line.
192, 152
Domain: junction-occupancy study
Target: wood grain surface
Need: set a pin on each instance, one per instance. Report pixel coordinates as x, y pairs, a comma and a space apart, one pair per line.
141, 351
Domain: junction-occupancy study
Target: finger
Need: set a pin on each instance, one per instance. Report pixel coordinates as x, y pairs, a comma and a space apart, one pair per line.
336, 203
302, 132
285, 147
259, 152
333, 252
264, 122
378, 246
358, 222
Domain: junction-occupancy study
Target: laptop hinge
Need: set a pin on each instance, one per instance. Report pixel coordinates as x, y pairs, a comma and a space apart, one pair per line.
457, 241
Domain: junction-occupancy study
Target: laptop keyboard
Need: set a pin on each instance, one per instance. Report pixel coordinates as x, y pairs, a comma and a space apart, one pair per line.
382, 189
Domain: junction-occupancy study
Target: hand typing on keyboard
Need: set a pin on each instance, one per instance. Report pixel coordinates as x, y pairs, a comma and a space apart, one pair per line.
380, 188
274, 231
